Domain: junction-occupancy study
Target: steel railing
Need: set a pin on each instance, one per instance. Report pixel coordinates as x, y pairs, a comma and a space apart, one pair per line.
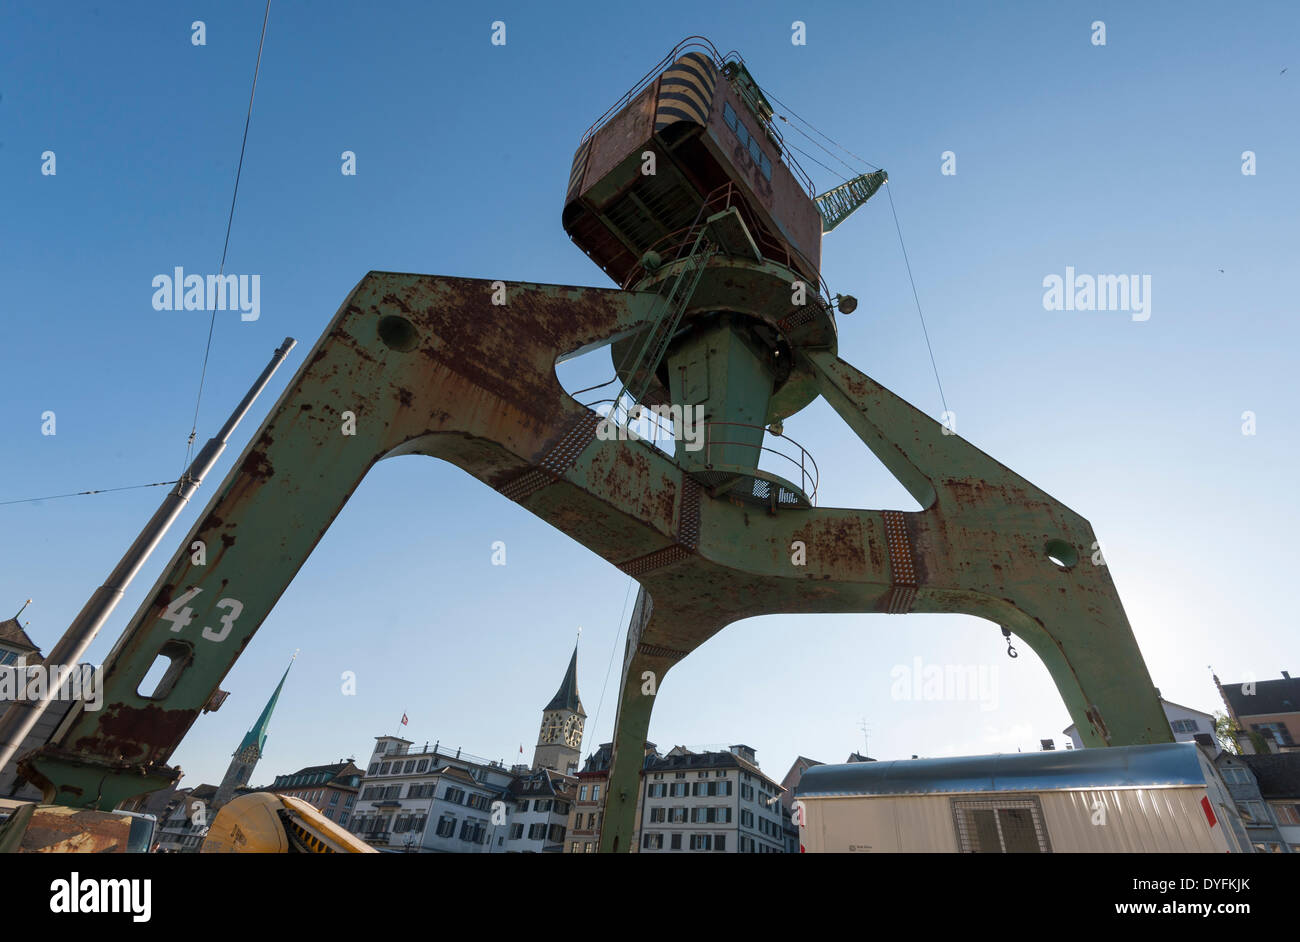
674, 244
809, 475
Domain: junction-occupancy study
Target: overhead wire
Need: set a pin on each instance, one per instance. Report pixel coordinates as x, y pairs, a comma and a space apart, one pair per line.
925, 332
101, 490
230, 219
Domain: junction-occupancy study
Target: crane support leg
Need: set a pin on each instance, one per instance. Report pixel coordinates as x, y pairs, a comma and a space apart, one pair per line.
464, 370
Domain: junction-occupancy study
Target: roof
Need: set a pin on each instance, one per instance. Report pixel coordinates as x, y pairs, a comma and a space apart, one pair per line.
1278, 774
707, 760
1161, 764
1270, 696
566, 698
12, 633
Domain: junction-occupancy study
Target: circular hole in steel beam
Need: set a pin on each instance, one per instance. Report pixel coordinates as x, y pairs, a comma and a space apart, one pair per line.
1061, 554
398, 333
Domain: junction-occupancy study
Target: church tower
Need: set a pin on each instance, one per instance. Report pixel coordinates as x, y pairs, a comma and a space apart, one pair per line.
250, 750
559, 742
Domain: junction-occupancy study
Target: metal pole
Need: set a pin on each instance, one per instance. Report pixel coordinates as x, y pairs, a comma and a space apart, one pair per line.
22, 715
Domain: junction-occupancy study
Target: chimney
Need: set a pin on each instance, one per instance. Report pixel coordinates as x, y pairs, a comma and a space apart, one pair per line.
1286, 676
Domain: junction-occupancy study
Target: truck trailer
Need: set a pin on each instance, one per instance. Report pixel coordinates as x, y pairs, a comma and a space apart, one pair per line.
1166, 797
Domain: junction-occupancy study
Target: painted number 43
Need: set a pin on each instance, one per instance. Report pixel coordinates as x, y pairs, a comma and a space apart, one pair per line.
180, 615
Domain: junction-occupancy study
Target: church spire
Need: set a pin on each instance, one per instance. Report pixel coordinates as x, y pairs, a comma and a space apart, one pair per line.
566, 698
256, 737
250, 750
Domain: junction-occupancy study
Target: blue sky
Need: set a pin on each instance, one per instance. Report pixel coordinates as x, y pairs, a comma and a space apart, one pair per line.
1123, 158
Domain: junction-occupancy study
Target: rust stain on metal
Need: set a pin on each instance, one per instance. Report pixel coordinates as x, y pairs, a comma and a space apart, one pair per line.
257, 466
133, 733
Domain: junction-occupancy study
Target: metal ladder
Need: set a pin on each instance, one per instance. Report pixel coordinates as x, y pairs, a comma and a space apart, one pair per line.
672, 307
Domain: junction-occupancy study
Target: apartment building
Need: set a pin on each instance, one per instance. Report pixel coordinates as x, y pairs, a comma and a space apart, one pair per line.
710, 802
588, 814
427, 801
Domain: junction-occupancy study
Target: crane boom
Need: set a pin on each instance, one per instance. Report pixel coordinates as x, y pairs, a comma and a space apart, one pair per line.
839, 204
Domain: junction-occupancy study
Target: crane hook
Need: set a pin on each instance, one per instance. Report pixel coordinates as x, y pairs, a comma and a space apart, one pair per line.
1011, 651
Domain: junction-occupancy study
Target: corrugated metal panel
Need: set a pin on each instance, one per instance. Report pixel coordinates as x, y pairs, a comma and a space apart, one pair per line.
1136, 820
1162, 764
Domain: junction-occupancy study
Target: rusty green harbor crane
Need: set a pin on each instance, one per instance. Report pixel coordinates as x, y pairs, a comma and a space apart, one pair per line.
686, 195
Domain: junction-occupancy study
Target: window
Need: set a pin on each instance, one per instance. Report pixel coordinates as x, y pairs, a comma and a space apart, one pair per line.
747, 819
595, 793
383, 769
586, 848
701, 841
417, 822
542, 804
446, 826
701, 774
422, 766
582, 793
1253, 812
658, 815
679, 775
1286, 813
1005, 826
392, 791
678, 815
652, 841
8, 657
522, 806
537, 832
747, 792
348, 803
372, 792
555, 834
680, 789
675, 842
454, 795
591, 822
467, 831
516, 831
1234, 775
573, 847
334, 799
343, 819
719, 842
1184, 726
1277, 732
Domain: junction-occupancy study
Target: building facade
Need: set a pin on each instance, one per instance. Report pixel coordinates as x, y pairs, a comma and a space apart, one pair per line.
710, 802
1278, 779
427, 800
17, 651
330, 789
541, 801
1267, 712
1260, 823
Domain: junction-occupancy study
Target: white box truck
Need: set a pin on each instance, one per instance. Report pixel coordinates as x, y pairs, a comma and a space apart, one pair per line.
1167, 797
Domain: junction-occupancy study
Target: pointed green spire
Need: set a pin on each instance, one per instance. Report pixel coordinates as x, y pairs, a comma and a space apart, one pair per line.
255, 739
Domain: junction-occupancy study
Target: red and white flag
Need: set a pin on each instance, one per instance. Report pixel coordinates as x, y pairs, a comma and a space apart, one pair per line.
403, 719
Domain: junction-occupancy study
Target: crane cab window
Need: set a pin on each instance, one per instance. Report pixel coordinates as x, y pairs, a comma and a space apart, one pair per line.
747, 140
